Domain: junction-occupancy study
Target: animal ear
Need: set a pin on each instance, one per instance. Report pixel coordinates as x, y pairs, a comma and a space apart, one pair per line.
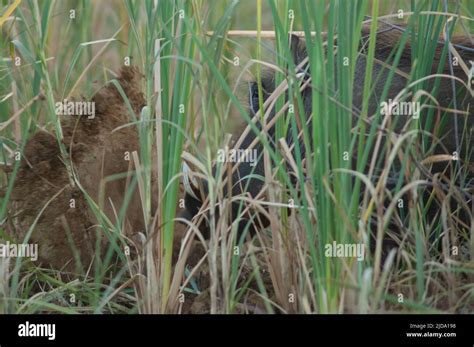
298, 49
253, 97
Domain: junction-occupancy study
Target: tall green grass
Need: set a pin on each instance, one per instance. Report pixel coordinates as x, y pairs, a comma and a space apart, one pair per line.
192, 93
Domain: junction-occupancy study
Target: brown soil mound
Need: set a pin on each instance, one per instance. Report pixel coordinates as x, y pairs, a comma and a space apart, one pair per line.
66, 233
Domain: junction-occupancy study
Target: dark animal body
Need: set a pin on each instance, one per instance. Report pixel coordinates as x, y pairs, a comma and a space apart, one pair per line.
248, 178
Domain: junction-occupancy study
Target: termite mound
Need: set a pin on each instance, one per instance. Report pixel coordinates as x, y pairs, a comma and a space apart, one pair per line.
50, 200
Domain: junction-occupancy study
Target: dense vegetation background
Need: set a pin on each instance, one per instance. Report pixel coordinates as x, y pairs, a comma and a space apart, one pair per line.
195, 60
